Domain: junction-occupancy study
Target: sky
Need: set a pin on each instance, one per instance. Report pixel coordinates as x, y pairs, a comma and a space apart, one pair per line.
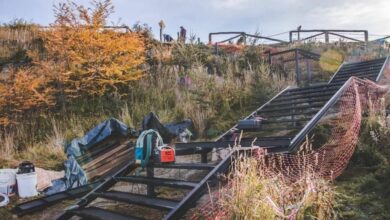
201, 17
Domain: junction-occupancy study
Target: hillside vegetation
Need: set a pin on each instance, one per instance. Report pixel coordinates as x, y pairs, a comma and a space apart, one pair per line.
68, 77
59, 81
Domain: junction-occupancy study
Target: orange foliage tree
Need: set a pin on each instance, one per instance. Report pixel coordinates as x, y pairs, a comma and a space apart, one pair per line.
81, 59
94, 60
22, 90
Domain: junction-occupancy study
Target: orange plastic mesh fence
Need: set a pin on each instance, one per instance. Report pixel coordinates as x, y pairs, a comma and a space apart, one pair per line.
330, 159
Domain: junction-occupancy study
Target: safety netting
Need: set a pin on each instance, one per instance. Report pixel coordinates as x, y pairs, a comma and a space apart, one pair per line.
324, 155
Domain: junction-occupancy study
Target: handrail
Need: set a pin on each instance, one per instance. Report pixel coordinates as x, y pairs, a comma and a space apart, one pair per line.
382, 69
337, 71
313, 122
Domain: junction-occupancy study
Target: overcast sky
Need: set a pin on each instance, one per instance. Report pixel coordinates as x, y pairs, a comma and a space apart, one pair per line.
203, 16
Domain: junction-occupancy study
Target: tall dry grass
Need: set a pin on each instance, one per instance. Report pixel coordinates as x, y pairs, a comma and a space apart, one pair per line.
23, 142
16, 37
250, 194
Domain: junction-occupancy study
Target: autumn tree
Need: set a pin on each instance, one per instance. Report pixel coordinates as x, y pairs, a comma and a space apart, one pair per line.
80, 59
93, 60
23, 90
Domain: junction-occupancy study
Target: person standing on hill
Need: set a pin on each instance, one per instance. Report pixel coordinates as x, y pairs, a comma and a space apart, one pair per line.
167, 38
183, 33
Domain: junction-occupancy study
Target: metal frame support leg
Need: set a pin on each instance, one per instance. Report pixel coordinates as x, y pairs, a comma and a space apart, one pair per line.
203, 156
297, 71
150, 187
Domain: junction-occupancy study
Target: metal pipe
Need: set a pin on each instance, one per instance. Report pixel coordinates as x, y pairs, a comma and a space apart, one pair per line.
312, 36
338, 69
297, 72
325, 30
232, 38
349, 38
382, 69
266, 38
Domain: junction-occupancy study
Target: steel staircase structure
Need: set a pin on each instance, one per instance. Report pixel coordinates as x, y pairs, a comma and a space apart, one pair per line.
295, 110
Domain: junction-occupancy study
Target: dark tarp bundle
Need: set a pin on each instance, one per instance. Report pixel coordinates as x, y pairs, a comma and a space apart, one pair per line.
74, 174
96, 135
167, 131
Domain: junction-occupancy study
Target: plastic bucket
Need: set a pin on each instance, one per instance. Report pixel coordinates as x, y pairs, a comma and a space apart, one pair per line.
4, 200
27, 184
8, 181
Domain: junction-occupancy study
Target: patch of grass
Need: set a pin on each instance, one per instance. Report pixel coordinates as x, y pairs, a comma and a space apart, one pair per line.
365, 183
251, 194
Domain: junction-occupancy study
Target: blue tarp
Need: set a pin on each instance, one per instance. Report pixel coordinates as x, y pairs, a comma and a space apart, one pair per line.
99, 133
74, 174
74, 177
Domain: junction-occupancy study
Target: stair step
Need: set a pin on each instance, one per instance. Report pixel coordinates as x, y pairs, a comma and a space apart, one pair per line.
298, 89
290, 108
187, 166
100, 214
260, 141
363, 64
361, 69
287, 114
277, 128
294, 102
158, 181
345, 78
137, 199
311, 90
306, 96
285, 121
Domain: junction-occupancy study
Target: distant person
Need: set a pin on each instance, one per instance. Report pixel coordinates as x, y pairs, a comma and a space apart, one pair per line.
167, 38
240, 40
183, 34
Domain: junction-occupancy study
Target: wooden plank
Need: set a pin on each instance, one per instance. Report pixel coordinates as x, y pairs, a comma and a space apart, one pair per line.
102, 170
105, 156
108, 159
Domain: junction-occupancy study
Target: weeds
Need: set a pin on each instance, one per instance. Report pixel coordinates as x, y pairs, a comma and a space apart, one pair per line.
250, 194
364, 184
125, 116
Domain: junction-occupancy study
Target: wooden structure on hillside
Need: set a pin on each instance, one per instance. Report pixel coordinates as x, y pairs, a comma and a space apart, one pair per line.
297, 55
327, 33
341, 33
243, 36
